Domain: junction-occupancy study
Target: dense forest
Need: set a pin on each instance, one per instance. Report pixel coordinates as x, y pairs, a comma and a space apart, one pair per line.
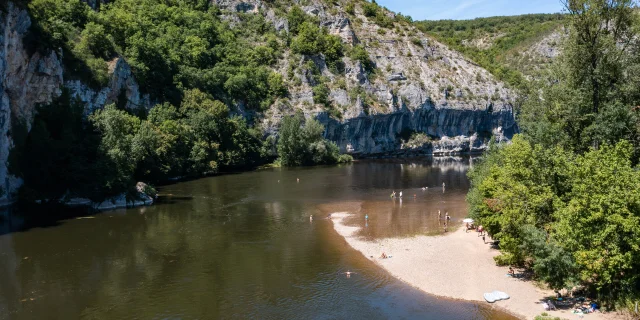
562, 198
195, 65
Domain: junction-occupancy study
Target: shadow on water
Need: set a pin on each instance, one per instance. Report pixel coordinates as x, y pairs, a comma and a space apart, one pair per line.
21, 218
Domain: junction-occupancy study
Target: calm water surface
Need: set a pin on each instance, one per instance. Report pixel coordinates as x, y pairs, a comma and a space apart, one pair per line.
238, 246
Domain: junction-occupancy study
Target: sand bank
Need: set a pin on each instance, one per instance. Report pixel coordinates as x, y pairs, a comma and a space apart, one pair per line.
456, 265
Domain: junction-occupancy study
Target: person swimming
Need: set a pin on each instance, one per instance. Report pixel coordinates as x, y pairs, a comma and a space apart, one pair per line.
366, 217
349, 273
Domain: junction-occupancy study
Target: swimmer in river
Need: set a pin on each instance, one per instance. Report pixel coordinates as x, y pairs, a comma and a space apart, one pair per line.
298, 180
349, 273
311, 218
366, 217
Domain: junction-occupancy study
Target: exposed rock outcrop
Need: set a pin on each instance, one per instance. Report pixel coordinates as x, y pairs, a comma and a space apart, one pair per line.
28, 80
458, 131
25, 81
122, 84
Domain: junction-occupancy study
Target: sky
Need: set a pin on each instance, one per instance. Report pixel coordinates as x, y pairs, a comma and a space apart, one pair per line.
469, 9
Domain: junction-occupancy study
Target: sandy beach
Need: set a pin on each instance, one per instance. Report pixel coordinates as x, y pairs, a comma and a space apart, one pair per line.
456, 265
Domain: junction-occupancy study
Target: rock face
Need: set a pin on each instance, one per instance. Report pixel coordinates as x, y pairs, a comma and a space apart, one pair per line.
419, 86
122, 84
28, 80
459, 131
25, 81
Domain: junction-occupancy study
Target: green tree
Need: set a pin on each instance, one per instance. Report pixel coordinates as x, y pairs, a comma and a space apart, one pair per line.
117, 159
300, 144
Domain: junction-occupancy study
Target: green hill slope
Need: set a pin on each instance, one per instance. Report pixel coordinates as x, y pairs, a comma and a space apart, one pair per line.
508, 47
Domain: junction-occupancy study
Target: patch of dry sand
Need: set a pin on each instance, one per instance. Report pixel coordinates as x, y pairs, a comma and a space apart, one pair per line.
456, 265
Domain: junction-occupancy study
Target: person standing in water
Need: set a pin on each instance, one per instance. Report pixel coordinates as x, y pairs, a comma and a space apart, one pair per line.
439, 214
443, 187
311, 218
400, 194
298, 180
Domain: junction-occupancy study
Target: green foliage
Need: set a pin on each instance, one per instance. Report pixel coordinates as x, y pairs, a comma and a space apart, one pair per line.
576, 219
350, 8
118, 157
313, 40
508, 35
321, 94
300, 144
296, 17
372, 10
95, 40
567, 205
59, 154
359, 53
579, 104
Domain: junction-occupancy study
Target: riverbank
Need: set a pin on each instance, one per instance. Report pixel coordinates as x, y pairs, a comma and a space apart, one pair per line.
456, 265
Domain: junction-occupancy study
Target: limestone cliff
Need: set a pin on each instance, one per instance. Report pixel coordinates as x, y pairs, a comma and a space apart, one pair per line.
29, 79
418, 86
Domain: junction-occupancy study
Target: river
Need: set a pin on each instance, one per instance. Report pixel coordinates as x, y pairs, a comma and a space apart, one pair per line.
237, 246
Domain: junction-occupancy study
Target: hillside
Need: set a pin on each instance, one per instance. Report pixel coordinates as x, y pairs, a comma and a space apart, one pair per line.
179, 72
507, 46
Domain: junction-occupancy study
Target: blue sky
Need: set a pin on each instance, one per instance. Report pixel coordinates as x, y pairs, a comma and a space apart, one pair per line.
469, 9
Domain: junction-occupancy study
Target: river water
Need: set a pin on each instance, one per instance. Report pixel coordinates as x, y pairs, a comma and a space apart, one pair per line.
238, 246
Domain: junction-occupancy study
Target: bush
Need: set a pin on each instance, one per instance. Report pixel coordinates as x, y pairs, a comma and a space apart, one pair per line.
304, 145
321, 94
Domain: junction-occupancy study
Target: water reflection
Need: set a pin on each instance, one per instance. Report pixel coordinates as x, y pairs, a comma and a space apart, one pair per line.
236, 246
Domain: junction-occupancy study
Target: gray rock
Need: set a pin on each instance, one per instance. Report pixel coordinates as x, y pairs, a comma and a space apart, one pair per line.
379, 133
340, 97
121, 80
396, 77
25, 81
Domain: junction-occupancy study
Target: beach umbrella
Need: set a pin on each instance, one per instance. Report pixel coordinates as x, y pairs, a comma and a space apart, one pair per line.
468, 220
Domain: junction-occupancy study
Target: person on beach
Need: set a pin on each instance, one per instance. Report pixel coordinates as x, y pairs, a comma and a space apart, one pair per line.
383, 256
483, 240
512, 272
